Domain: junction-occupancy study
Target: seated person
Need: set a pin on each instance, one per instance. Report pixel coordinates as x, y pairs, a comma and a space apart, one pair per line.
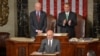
49, 44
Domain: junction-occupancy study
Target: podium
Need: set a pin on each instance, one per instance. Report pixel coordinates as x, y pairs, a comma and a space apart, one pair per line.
24, 47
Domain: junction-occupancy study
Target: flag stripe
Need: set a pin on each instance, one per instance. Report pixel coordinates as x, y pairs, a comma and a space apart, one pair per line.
66, 1
48, 7
44, 5
70, 2
73, 5
62, 5
58, 7
77, 6
81, 7
54, 7
85, 8
51, 7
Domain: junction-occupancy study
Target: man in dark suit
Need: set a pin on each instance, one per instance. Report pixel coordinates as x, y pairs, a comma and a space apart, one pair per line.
49, 44
38, 21
67, 21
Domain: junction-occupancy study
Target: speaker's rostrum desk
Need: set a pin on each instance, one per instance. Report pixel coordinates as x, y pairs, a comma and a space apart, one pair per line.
24, 46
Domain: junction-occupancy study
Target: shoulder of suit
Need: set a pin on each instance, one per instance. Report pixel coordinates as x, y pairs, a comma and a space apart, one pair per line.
35, 11
43, 12
32, 12
62, 13
56, 40
72, 12
44, 39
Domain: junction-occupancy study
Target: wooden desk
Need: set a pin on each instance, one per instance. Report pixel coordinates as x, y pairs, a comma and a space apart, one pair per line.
22, 48
83, 48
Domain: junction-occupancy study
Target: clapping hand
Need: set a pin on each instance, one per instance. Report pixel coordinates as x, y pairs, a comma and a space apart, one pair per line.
69, 22
64, 22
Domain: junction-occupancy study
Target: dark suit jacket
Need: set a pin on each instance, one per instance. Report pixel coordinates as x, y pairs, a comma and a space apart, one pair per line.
67, 29
34, 23
45, 48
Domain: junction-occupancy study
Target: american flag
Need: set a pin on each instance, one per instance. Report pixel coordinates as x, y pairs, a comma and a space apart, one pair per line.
54, 7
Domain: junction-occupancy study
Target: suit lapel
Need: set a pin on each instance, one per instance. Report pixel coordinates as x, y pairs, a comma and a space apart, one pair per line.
47, 42
64, 15
35, 19
41, 15
69, 17
47, 46
53, 43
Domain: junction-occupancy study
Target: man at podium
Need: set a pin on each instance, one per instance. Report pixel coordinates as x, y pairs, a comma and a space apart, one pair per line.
49, 44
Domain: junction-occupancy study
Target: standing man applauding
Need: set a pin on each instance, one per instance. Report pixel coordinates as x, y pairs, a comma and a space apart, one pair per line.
67, 21
38, 21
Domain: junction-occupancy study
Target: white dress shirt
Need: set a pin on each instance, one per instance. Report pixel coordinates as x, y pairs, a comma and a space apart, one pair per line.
50, 41
67, 13
37, 13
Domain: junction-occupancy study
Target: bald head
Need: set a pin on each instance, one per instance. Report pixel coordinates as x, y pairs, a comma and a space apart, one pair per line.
50, 34
37, 6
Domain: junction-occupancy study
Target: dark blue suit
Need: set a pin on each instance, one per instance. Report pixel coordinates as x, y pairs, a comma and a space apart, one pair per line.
35, 25
67, 29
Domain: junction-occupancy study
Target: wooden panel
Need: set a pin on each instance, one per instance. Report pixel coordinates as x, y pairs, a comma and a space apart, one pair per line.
98, 48
67, 49
22, 49
10, 49
15, 48
33, 47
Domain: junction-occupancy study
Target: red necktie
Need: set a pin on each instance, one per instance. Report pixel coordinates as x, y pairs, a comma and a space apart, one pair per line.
38, 17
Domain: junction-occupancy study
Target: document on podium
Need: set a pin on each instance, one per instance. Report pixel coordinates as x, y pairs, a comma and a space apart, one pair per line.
42, 54
36, 53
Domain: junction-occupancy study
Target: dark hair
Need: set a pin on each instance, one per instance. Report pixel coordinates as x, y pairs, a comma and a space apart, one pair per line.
67, 4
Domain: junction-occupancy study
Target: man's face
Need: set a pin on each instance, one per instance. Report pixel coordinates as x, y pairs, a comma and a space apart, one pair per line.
37, 6
66, 8
49, 35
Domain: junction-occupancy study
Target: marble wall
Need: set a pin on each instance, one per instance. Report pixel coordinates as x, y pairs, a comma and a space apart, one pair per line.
89, 22
11, 25
90, 11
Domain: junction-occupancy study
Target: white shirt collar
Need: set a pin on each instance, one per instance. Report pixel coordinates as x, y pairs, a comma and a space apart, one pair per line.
67, 13
38, 12
51, 40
